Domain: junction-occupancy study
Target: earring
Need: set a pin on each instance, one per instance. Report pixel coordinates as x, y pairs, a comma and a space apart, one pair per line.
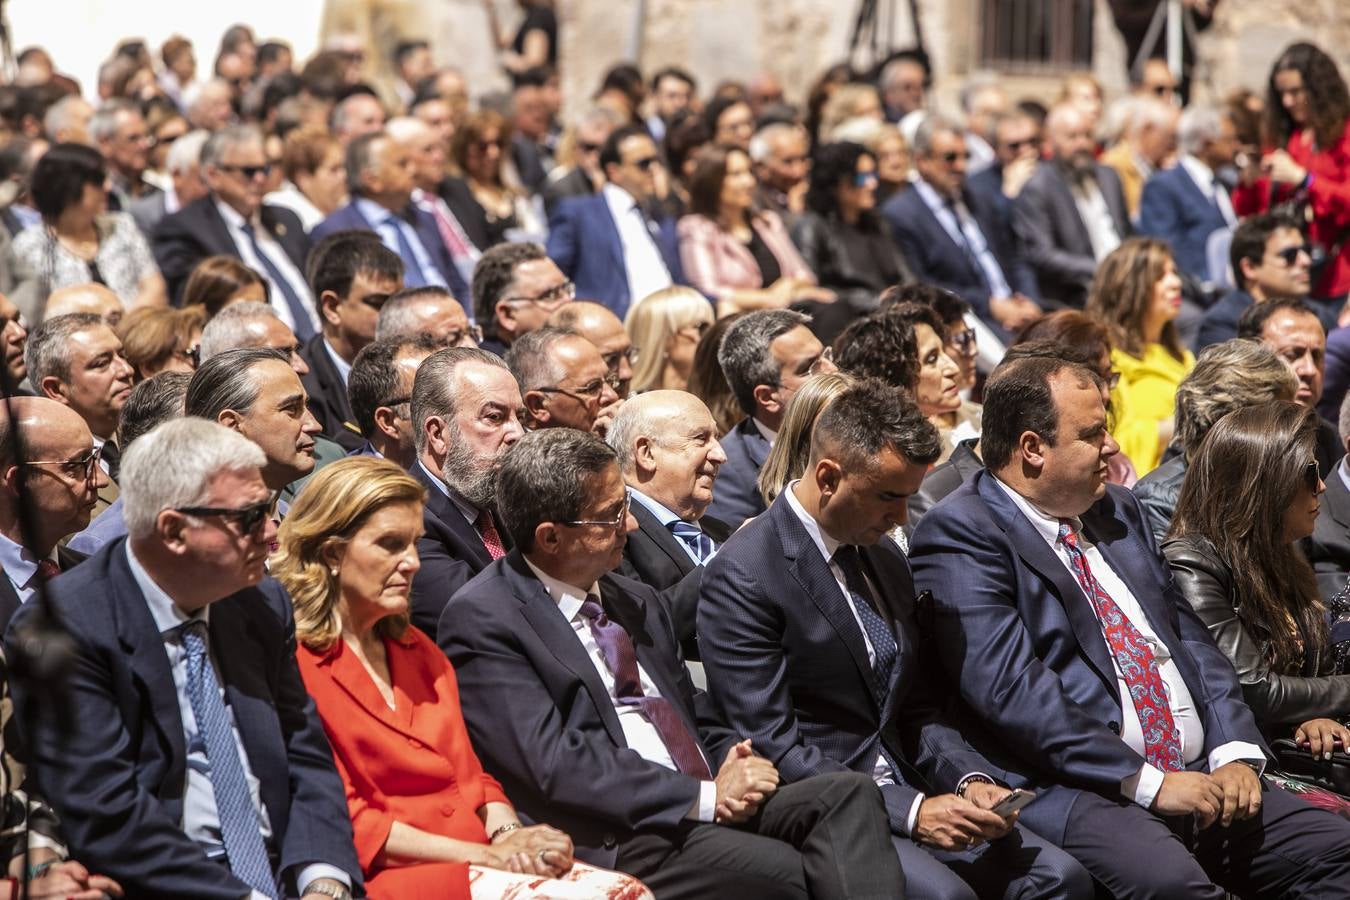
333, 571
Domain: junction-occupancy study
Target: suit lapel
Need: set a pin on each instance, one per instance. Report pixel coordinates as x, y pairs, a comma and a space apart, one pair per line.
1337, 497
757, 446
946, 237
613, 242
662, 538
444, 509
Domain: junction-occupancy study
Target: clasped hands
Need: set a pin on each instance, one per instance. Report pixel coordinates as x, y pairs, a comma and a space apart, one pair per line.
1232, 791
743, 782
532, 850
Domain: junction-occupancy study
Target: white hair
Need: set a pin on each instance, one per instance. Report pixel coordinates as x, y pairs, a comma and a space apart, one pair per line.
228, 330
1198, 126
186, 152
171, 467
647, 415
61, 114
405, 128
761, 145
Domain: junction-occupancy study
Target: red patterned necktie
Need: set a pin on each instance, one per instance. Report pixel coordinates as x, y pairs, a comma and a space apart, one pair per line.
487, 530
47, 570
1162, 742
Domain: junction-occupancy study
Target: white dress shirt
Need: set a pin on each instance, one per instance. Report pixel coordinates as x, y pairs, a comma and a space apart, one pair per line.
20, 567
638, 731
388, 225
962, 228
291, 197
201, 820
1203, 176
1141, 787
1101, 227
344, 368
642, 261
234, 223
769, 434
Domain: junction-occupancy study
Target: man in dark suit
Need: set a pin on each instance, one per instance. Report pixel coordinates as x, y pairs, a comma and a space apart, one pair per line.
49, 483
599, 325
807, 624
381, 185
1328, 548
564, 381
1270, 258
464, 405
233, 221
766, 355
184, 168
196, 743
1016, 140
953, 239
666, 442
380, 391
575, 696
351, 274
1061, 625
610, 243
516, 287
1071, 212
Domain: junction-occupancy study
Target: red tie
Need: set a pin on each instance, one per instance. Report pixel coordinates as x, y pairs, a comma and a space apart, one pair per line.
1162, 742
46, 571
487, 529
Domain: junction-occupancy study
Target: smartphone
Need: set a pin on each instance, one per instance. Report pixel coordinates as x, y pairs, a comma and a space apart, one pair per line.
1013, 802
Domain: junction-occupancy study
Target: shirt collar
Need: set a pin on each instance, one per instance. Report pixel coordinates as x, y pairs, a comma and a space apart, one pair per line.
344, 368
824, 543
231, 215
1200, 173
465, 508
167, 614
1344, 470
617, 197
568, 597
663, 513
18, 561
769, 434
374, 212
1046, 525
930, 197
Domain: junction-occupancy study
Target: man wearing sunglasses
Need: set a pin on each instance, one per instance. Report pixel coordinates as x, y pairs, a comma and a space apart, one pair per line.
1270, 258
613, 245
564, 382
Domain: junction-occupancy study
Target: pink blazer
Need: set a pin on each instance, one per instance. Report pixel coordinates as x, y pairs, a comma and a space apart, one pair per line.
715, 262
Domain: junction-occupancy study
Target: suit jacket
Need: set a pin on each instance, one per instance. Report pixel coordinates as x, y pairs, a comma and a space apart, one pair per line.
1016, 633
1052, 235
787, 664
328, 395
148, 212
563, 183
66, 559
197, 231
118, 779
1221, 320
451, 553
583, 239
736, 495
656, 557
938, 260
1328, 547
1120, 159
560, 754
959, 468
1174, 209
423, 223
470, 213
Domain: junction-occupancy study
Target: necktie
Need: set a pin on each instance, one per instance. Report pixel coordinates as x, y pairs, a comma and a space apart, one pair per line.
304, 328
46, 571
112, 456
238, 818
487, 530
621, 658
412, 272
965, 243
693, 536
1162, 742
879, 632
462, 251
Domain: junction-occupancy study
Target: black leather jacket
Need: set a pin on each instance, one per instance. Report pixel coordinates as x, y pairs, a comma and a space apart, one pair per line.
1278, 701
1158, 492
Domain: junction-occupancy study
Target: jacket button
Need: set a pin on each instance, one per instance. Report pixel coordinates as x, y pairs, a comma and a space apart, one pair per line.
609, 842
1114, 726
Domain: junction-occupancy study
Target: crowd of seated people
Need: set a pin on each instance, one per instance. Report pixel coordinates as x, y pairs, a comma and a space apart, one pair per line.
406, 491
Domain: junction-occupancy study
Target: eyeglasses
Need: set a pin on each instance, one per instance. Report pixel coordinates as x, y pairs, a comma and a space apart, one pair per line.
557, 294
1162, 90
81, 467
864, 179
484, 146
192, 354
249, 172
587, 393
456, 338
588, 147
954, 156
612, 359
247, 518
1016, 146
1290, 254
617, 524
646, 163
1312, 476
965, 343
826, 358
395, 402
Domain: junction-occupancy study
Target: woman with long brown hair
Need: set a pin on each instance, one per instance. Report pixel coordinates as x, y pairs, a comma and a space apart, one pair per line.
1249, 496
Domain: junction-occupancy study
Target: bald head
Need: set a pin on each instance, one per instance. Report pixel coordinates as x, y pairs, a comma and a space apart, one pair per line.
85, 298
666, 442
599, 325
58, 493
1070, 132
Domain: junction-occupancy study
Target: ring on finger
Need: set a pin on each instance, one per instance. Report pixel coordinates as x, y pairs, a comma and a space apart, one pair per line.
541, 855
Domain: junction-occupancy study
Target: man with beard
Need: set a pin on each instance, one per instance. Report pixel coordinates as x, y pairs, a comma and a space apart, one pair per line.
1071, 213
464, 403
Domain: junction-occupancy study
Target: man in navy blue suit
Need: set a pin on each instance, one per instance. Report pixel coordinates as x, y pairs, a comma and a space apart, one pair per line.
1270, 259
610, 243
380, 179
807, 626
187, 760
1060, 623
1185, 204
765, 355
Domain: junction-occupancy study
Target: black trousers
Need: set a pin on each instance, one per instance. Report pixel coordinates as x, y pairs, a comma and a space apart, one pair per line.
826, 838
1020, 866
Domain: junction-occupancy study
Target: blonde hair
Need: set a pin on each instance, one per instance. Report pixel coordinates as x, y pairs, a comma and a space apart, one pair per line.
653, 320
843, 105
334, 505
792, 448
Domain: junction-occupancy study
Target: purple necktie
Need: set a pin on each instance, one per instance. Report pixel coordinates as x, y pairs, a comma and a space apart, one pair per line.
621, 658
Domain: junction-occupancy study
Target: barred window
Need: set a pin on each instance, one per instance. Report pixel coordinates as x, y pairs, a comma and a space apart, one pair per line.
1036, 35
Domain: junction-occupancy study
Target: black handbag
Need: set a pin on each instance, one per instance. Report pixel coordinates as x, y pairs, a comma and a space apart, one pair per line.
1298, 762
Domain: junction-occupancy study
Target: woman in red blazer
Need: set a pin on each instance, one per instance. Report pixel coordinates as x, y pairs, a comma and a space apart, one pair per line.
428, 821
1308, 111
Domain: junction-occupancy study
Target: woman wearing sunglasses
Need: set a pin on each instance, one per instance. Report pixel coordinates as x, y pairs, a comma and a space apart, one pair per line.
1250, 494
666, 327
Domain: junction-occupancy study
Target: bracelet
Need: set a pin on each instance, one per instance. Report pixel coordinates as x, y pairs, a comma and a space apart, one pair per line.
509, 826
40, 869
969, 780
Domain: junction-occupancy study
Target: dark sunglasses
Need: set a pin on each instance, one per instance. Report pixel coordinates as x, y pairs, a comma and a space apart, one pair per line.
646, 163
965, 343
864, 179
953, 156
250, 172
1016, 146
483, 146
247, 518
1311, 476
1162, 90
1290, 254
587, 147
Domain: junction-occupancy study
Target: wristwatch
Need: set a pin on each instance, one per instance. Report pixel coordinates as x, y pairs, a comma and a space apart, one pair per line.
969, 780
335, 889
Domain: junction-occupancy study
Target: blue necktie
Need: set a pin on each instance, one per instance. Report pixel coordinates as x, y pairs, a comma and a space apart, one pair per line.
239, 826
878, 631
304, 328
412, 272
694, 538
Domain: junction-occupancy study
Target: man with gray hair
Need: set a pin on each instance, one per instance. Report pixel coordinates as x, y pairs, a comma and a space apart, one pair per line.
213, 106
1187, 203
1149, 138
765, 355
564, 382
955, 238
430, 311
432, 193
185, 183
666, 444
67, 120
464, 403
356, 115
781, 154
232, 220
250, 325
197, 743
119, 132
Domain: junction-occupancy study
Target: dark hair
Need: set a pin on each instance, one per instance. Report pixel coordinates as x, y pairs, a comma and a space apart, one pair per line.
1072, 329
673, 72
404, 49
1253, 319
950, 308
374, 381
1249, 240
544, 477
920, 314
624, 77
609, 151
716, 107
744, 353
1328, 100
358, 158
1069, 353
223, 382
60, 176
709, 383
216, 280
151, 402
705, 185
271, 51
1122, 293
867, 417
493, 276
880, 346
336, 260
684, 136
533, 77
1017, 399
1246, 474
832, 164
819, 94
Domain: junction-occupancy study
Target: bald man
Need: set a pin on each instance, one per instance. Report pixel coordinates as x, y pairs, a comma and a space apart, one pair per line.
46, 495
599, 325
85, 298
668, 452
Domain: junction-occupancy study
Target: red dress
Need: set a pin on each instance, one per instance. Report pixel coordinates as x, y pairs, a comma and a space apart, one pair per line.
412, 763
1329, 198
